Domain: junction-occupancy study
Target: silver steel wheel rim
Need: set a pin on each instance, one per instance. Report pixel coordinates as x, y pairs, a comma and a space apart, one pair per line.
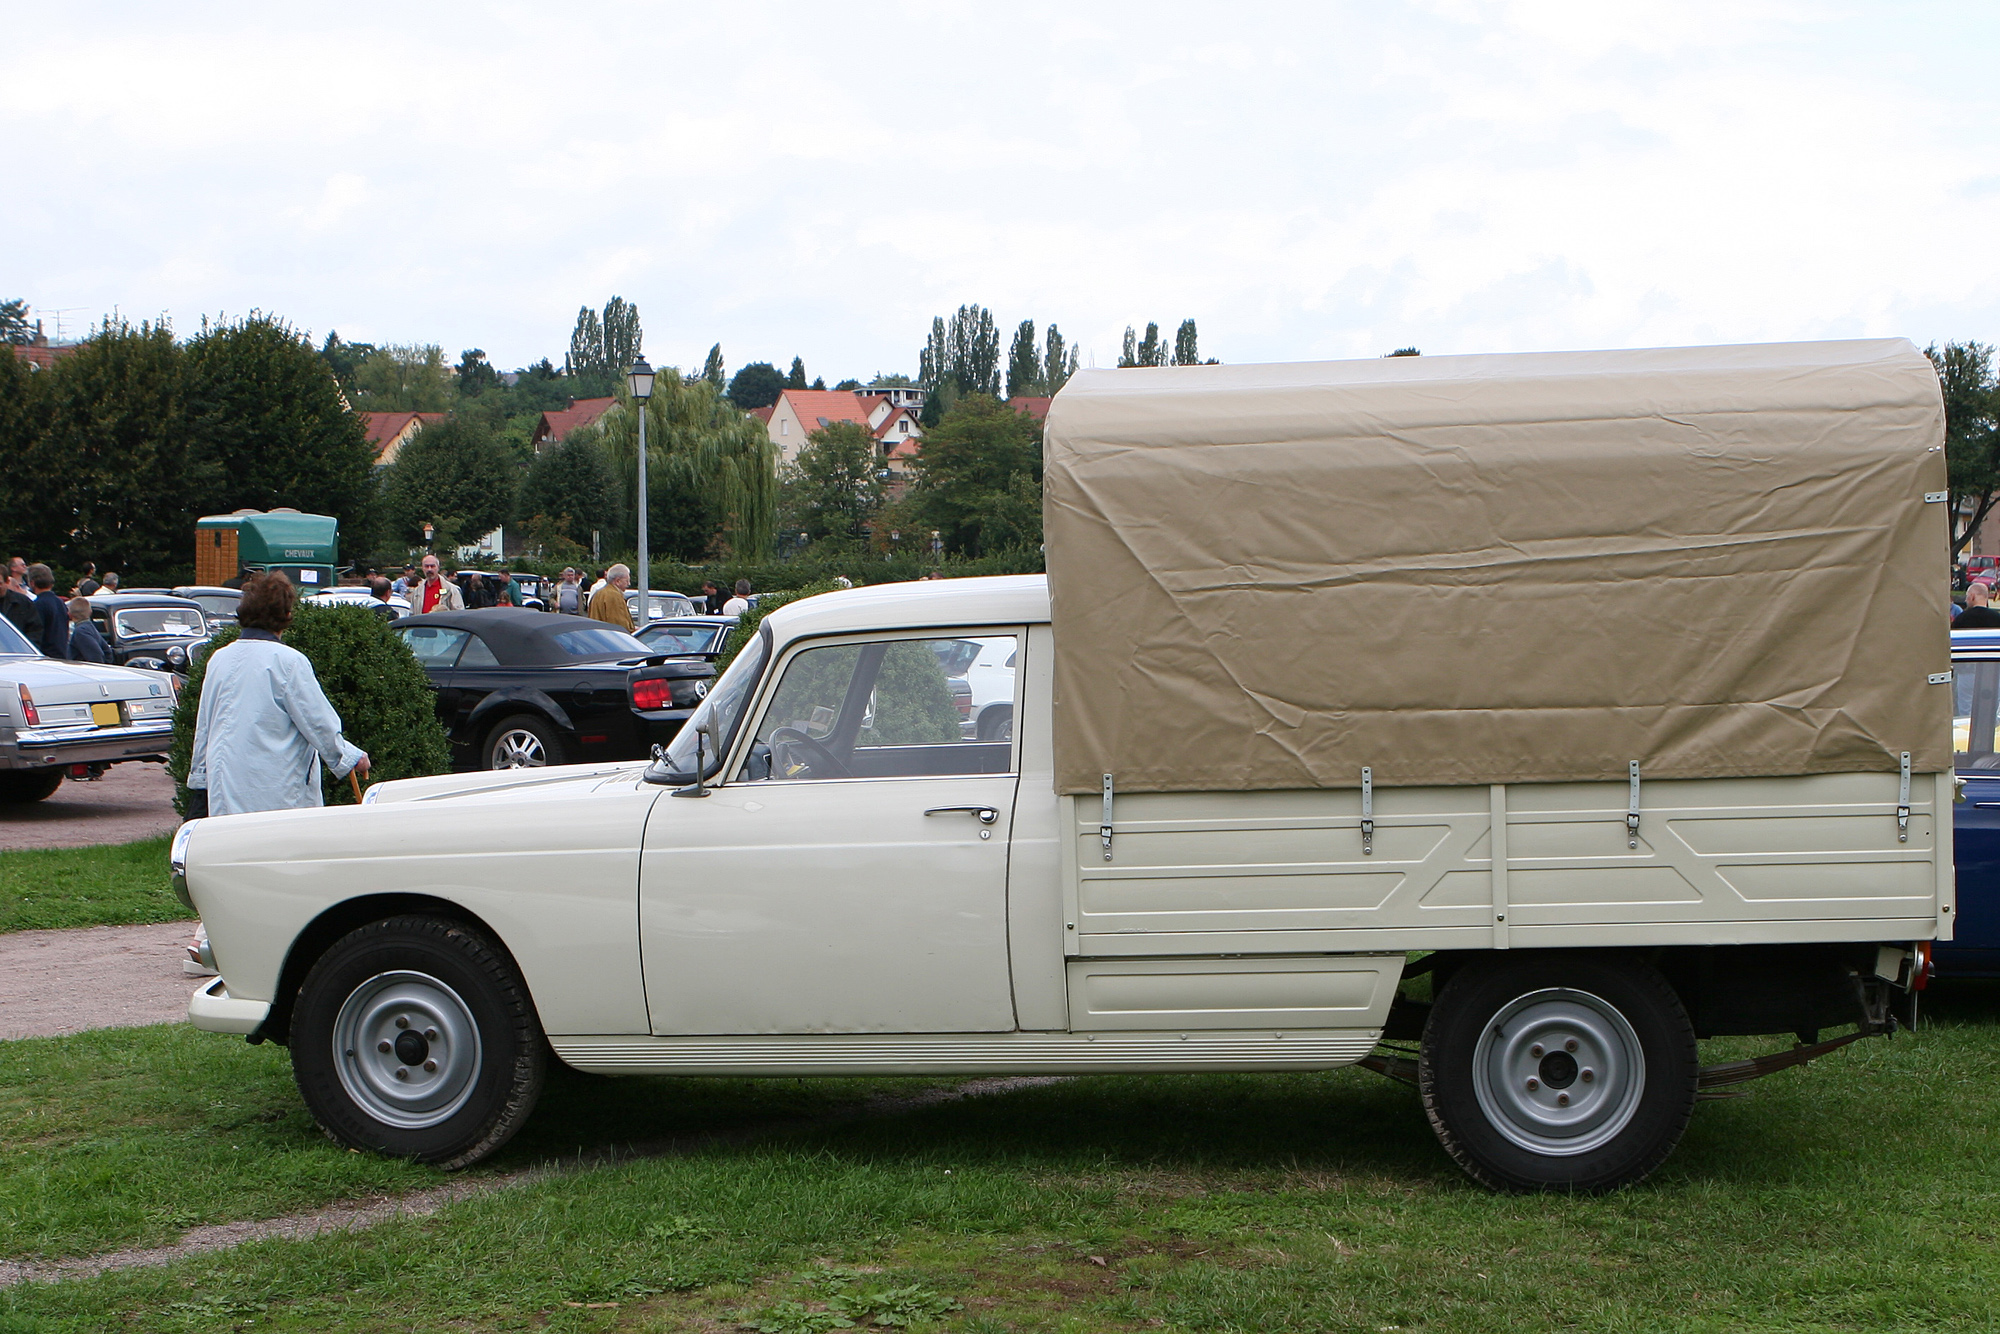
518, 748
372, 1048
1559, 1072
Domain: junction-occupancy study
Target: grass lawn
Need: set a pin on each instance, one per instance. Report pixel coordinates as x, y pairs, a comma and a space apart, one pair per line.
100, 886
1861, 1193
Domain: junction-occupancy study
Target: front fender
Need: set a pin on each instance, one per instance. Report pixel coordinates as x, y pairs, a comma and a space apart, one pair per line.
514, 699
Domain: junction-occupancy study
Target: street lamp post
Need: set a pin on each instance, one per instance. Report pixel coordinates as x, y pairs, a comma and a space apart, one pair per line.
640, 377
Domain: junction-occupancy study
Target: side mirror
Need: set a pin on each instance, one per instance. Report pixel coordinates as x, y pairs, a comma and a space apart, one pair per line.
701, 735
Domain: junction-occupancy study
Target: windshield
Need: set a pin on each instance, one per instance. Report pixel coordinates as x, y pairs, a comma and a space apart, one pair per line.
217, 604
671, 638
182, 621
720, 712
14, 644
598, 643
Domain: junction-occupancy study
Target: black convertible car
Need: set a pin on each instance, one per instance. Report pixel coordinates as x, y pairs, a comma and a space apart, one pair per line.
518, 688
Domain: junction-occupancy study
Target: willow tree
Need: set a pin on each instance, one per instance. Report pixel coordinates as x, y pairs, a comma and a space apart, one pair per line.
711, 472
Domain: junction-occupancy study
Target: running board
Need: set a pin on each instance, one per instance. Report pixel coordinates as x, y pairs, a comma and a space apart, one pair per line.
966, 1053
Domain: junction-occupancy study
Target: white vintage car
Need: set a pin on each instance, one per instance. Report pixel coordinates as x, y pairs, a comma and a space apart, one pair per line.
58, 716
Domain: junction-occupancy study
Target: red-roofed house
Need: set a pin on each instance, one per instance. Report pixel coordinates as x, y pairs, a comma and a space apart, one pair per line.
388, 432
42, 354
1036, 407
800, 412
580, 413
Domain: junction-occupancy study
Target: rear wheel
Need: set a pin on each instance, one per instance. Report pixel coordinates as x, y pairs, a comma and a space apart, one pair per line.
414, 1037
21, 788
997, 723
1558, 1072
522, 742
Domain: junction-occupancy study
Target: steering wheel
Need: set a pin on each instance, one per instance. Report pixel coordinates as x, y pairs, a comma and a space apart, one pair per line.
821, 762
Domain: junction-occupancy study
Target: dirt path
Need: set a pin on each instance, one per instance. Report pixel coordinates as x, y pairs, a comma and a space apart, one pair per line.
131, 802
354, 1215
57, 982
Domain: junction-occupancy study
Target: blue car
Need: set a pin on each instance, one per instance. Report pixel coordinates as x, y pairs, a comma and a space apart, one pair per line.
1975, 949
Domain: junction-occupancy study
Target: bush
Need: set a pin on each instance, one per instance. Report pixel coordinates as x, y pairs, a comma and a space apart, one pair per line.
746, 625
373, 682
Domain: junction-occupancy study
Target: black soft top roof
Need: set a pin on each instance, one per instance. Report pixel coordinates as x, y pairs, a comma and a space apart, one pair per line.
520, 636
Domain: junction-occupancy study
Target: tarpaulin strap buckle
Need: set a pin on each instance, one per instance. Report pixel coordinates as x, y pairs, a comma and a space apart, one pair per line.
1104, 829
1903, 802
1632, 811
1367, 811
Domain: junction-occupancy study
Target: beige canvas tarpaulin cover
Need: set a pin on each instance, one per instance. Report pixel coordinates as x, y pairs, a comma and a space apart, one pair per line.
1716, 561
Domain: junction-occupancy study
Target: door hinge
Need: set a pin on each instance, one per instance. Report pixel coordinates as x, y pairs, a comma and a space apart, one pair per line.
1936, 497
1903, 802
1367, 811
1939, 678
1104, 829
1632, 811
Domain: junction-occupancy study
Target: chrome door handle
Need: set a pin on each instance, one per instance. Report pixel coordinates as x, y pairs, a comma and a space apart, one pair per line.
986, 814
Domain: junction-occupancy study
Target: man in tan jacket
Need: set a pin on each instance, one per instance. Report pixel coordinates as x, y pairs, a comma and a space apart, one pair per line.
607, 604
435, 593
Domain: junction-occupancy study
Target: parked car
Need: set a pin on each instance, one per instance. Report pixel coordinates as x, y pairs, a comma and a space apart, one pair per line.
1974, 949
144, 628
520, 689
349, 596
700, 636
981, 673
217, 604
516, 586
59, 717
665, 605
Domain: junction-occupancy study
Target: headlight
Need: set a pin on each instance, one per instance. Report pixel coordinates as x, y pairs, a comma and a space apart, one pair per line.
177, 867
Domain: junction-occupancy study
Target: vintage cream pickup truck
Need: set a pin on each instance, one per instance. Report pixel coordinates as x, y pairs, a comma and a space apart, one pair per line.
1609, 690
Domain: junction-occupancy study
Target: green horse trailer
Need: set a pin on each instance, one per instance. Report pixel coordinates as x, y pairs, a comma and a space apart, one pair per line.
305, 547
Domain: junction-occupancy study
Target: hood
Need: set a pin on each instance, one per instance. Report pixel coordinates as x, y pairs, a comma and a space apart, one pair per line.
56, 681
558, 779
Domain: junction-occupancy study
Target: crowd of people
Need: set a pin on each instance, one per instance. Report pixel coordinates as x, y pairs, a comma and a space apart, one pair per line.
59, 626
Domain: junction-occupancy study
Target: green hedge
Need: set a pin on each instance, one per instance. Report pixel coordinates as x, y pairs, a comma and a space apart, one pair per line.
811, 569
372, 680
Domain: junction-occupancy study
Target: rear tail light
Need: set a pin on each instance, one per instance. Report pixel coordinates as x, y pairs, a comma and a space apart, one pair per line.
29, 714
655, 692
1922, 966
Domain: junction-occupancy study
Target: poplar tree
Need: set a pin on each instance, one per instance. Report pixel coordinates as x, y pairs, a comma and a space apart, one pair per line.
797, 379
711, 369
1058, 363
1024, 365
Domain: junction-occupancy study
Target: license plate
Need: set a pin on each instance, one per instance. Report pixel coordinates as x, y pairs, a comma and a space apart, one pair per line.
104, 715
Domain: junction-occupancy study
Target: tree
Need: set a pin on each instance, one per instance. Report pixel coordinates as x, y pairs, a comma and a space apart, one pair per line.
711, 471
711, 369
1406, 352
847, 386
797, 379
831, 490
1971, 435
570, 490
603, 347
453, 476
344, 358
1186, 351
404, 379
586, 345
964, 354
819, 382
14, 326
979, 478
1146, 352
622, 335
1024, 365
475, 373
892, 381
756, 386
266, 417
1058, 364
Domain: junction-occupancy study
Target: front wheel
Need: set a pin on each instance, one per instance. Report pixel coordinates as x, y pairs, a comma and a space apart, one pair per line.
414, 1037
1558, 1072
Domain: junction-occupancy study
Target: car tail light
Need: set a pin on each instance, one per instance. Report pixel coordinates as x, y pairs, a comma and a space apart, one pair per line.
29, 714
655, 692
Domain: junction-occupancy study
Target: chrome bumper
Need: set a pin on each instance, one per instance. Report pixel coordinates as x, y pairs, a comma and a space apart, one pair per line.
213, 1010
39, 747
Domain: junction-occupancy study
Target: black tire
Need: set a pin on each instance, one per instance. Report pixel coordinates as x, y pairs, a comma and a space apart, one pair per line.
523, 741
997, 723
468, 1013
23, 787
1571, 1072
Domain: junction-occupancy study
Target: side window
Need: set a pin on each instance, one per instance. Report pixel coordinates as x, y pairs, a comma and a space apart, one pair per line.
477, 654
434, 645
1975, 705
886, 709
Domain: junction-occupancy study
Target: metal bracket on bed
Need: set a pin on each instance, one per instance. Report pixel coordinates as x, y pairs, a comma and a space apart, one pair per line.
1632, 811
1104, 829
1367, 811
1903, 803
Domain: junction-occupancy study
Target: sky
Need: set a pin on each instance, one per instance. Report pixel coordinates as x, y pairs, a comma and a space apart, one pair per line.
1306, 181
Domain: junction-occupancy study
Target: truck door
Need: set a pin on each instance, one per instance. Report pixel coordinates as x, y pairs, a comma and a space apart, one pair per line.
1975, 946
851, 877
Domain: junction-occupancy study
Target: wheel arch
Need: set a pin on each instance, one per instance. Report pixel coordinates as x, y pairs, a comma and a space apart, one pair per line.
320, 934
510, 700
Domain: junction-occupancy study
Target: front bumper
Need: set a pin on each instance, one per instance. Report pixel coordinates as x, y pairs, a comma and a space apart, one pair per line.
213, 1010
41, 747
